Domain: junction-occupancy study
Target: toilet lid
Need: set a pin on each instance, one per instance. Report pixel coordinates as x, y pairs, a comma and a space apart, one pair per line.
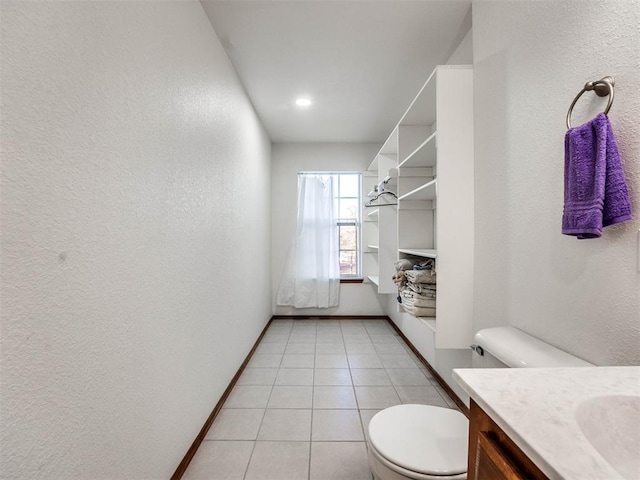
422, 438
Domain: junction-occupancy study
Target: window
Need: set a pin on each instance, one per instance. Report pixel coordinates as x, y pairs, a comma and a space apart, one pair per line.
347, 207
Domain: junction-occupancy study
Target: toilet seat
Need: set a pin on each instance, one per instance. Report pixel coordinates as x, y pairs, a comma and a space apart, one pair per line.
420, 441
384, 470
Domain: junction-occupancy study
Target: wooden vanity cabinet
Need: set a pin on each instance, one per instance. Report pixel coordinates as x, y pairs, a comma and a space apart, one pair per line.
493, 455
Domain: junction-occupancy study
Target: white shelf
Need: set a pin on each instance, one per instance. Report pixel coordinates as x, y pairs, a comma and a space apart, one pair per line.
373, 247
374, 279
419, 252
390, 146
423, 156
422, 110
423, 192
429, 322
374, 213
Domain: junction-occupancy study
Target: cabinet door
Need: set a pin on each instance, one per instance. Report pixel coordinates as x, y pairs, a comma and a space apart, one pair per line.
492, 463
493, 455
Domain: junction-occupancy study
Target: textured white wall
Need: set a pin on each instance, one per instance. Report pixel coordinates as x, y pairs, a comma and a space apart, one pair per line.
463, 54
287, 160
531, 59
135, 235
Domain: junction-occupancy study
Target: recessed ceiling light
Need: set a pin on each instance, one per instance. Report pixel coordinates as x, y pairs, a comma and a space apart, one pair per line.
303, 102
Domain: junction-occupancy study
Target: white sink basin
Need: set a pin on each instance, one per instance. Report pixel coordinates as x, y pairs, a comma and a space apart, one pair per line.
611, 424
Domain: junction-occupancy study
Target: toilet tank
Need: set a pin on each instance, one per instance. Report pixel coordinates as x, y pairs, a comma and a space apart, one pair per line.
508, 347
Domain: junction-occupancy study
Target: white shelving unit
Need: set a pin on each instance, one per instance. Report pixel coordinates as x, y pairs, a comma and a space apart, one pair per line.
386, 236
426, 191
423, 156
373, 215
432, 149
438, 223
419, 252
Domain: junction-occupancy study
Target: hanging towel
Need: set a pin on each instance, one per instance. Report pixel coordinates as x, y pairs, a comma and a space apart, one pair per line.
595, 192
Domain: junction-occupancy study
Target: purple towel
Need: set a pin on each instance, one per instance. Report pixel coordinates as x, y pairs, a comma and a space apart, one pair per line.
595, 192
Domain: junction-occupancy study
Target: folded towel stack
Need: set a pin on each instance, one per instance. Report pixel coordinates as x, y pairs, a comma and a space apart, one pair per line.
417, 287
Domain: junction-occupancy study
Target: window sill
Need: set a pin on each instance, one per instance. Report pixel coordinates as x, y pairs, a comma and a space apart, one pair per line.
351, 280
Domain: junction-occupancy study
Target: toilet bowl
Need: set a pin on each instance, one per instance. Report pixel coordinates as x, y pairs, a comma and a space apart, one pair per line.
424, 442
419, 442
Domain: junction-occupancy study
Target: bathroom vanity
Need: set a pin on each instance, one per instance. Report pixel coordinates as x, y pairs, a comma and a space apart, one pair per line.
556, 423
492, 453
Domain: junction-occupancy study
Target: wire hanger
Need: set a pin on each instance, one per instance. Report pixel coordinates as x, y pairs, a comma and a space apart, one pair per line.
386, 192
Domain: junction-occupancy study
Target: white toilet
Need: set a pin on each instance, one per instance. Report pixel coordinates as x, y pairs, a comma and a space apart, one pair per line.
423, 442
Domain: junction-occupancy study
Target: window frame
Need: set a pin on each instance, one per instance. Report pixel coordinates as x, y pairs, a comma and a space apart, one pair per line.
357, 223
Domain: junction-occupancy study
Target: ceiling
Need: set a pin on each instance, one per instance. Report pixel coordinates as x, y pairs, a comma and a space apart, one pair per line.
361, 62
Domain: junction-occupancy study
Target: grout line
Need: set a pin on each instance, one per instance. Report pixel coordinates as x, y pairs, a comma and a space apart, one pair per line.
313, 392
353, 387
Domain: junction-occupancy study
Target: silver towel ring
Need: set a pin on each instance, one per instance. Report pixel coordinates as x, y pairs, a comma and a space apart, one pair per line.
602, 87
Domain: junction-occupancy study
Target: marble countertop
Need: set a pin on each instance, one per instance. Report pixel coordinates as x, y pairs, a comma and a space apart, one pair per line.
536, 408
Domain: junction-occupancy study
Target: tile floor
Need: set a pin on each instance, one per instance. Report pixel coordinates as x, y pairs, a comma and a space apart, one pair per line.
301, 408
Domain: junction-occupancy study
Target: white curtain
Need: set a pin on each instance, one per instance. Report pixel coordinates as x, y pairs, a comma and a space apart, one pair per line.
312, 275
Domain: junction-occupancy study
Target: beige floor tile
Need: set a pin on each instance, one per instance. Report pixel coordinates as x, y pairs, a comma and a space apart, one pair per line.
296, 337
383, 338
248, 397
279, 329
220, 461
294, 376
330, 348
279, 461
271, 348
258, 376
291, 397
397, 361
236, 424
376, 397
370, 376
407, 376
360, 349
339, 461
445, 395
286, 425
378, 330
352, 328
332, 376
421, 394
301, 348
329, 337
307, 330
366, 416
265, 360
275, 338
331, 360
362, 337
364, 361
333, 397
390, 348
297, 361
336, 425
